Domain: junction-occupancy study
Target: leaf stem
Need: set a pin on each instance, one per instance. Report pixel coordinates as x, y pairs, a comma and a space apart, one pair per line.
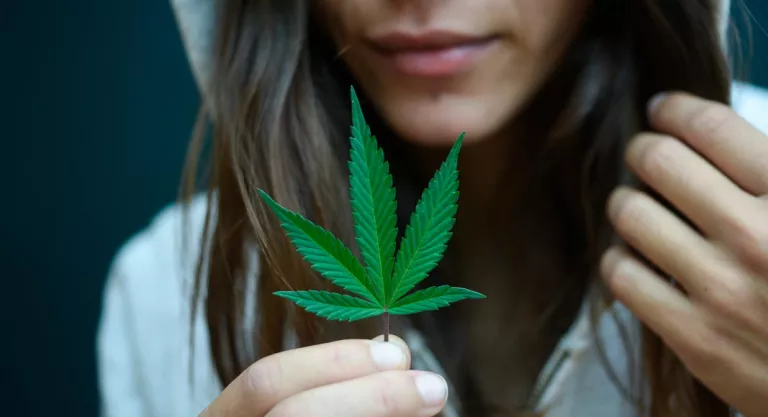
386, 326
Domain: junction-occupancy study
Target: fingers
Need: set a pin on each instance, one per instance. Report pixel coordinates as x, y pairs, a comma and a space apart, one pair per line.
717, 132
720, 346
399, 342
386, 394
277, 377
654, 301
700, 191
706, 171
664, 239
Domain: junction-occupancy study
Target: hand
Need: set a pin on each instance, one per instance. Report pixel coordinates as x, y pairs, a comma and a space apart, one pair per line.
713, 167
348, 378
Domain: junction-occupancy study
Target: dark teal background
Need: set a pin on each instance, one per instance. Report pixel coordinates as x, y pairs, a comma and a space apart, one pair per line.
97, 106
99, 103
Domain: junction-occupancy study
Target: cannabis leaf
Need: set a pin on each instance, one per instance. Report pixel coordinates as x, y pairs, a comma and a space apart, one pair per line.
373, 203
333, 306
382, 286
431, 299
323, 251
427, 234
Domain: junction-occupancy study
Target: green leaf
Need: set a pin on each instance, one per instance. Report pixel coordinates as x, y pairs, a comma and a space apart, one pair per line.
385, 280
333, 306
324, 252
427, 235
373, 203
432, 298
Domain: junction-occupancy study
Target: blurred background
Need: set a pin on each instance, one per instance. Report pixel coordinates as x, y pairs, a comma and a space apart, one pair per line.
99, 102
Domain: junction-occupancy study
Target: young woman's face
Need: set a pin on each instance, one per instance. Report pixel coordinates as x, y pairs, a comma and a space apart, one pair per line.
435, 68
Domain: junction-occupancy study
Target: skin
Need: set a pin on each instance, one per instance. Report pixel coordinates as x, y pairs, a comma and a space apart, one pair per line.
711, 165
348, 377
717, 327
533, 34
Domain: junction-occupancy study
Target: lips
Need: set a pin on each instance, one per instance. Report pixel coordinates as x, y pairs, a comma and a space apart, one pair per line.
430, 54
409, 41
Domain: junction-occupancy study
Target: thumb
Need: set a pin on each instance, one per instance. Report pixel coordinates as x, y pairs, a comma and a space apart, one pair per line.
400, 343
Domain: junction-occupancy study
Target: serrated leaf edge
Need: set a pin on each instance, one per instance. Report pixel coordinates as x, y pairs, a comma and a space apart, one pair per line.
439, 295
308, 300
361, 279
397, 279
375, 218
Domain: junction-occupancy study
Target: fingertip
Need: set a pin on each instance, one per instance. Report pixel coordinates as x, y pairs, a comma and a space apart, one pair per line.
432, 388
610, 260
399, 343
654, 104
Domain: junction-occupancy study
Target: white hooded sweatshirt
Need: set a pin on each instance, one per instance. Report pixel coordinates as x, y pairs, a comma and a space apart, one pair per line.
143, 341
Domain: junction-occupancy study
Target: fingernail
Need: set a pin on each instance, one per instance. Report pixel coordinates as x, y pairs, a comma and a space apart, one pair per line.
610, 260
432, 388
387, 355
655, 102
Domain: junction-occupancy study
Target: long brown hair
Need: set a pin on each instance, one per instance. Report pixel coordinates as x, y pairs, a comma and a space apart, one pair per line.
276, 102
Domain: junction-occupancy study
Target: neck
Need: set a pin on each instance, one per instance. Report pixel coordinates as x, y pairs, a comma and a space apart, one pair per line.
506, 242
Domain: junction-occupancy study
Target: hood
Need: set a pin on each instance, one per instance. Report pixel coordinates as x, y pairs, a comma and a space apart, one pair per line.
195, 20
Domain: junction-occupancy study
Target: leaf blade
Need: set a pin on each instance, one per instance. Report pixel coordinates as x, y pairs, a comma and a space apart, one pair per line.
373, 203
427, 234
325, 253
332, 306
432, 298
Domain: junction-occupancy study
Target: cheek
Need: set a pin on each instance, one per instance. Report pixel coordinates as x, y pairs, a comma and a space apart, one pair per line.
549, 26
483, 104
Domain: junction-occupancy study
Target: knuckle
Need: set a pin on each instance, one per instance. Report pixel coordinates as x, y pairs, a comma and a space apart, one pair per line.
343, 357
732, 297
656, 157
703, 352
711, 118
264, 378
659, 153
750, 240
737, 306
387, 403
388, 398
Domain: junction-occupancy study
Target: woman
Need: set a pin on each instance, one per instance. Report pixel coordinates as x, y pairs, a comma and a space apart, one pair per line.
561, 103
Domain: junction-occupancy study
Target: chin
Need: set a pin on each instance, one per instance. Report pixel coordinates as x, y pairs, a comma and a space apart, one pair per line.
436, 123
